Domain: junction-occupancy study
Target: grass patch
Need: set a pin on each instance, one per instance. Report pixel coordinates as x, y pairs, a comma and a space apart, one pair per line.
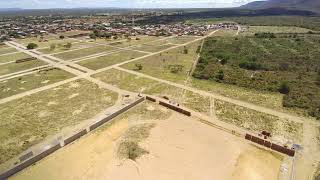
257, 121
125, 80
152, 48
111, 59
7, 50
160, 65
28, 82
83, 52
61, 48
16, 67
13, 57
29, 120
181, 39
129, 146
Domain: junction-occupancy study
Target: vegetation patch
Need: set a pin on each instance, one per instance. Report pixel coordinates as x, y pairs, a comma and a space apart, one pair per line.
288, 64
256, 121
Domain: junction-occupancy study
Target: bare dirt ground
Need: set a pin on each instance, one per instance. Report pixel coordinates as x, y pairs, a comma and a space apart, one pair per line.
179, 148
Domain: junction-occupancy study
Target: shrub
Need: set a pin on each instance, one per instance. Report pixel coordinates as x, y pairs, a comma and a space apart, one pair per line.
61, 36
32, 46
284, 88
139, 67
175, 68
220, 75
131, 150
250, 66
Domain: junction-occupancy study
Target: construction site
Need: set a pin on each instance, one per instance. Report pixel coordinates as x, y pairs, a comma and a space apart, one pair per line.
119, 108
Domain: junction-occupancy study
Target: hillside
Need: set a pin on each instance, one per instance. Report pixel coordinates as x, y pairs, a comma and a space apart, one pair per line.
312, 5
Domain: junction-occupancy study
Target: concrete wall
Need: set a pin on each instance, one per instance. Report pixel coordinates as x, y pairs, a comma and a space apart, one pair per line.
29, 162
151, 99
75, 137
115, 114
26, 156
268, 144
182, 111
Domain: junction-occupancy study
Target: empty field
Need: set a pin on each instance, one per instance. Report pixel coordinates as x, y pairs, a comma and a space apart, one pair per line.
83, 52
152, 48
135, 40
148, 132
61, 47
173, 65
29, 120
46, 42
182, 39
7, 50
13, 57
110, 59
28, 82
16, 67
281, 129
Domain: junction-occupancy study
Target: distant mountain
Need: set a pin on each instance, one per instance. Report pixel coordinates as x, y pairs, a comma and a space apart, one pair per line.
9, 9
309, 5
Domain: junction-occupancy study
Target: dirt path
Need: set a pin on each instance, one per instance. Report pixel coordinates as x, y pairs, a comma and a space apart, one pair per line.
309, 157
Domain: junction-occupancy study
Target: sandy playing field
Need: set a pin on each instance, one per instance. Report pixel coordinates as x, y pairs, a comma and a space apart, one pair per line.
180, 148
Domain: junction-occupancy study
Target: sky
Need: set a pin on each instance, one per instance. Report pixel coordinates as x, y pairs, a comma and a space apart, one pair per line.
45, 4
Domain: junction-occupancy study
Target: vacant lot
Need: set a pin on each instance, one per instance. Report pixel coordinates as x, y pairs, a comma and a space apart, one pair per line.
7, 50
46, 42
125, 80
166, 144
173, 65
182, 39
83, 52
25, 83
13, 57
110, 59
251, 120
135, 40
16, 67
29, 120
63, 47
152, 48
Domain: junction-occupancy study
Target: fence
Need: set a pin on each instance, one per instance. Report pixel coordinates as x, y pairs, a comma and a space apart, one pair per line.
268, 144
182, 111
75, 137
151, 99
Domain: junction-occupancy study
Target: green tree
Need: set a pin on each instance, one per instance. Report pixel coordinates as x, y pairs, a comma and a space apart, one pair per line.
220, 75
32, 46
284, 88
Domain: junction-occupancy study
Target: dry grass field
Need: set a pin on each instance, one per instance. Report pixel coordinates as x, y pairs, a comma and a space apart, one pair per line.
31, 119
16, 67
